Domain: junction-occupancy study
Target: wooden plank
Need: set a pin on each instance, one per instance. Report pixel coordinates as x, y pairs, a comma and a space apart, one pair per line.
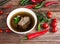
12, 38
39, 42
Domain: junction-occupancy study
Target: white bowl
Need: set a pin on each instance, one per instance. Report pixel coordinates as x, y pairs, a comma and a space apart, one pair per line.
21, 10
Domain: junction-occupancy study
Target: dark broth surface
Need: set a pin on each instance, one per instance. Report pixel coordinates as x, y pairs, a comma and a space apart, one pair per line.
22, 14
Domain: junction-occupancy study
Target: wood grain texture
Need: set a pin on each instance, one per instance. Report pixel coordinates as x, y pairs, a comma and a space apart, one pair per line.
13, 38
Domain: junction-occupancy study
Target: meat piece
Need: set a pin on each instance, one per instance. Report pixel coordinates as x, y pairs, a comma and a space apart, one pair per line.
24, 22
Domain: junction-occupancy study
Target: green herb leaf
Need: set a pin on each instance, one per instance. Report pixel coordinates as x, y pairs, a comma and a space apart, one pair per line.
48, 20
42, 20
39, 17
16, 20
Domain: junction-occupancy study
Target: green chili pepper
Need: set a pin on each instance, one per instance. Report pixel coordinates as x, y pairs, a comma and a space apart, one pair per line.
39, 27
22, 1
25, 2
40, 5
16, 20
3, 2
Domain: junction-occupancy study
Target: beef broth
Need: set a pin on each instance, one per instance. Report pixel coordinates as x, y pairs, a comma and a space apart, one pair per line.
18, 28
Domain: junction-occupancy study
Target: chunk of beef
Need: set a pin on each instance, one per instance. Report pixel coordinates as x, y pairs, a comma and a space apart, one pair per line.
24, 22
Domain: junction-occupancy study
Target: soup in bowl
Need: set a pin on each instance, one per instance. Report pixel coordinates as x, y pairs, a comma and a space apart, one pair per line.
22, 20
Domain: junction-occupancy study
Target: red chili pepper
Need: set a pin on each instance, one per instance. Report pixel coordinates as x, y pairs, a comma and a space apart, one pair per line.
50, 3
54, 29
1, 30
8, 30
45, 25
8, 7
31, 6
36, 1
49, 14
1, 12
33, 35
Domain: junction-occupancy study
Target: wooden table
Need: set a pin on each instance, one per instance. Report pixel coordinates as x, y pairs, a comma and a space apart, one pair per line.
13, 38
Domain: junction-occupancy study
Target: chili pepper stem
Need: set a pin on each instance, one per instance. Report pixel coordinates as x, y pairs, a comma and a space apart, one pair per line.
25, 38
